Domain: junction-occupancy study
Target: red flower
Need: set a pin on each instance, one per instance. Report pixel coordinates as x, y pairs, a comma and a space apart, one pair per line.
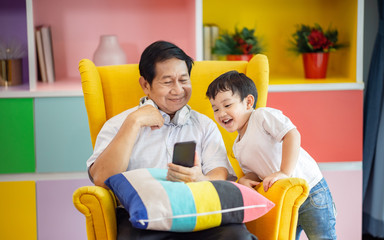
318, 41
244, 47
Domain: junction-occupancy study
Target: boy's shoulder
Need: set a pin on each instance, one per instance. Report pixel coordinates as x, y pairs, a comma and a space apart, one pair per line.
267, 114
266, 110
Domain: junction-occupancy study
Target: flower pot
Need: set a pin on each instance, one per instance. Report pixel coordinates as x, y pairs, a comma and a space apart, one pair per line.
315, 64
11, 72
244, 57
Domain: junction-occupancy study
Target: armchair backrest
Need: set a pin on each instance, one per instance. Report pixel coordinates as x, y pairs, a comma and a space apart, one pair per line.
109, 90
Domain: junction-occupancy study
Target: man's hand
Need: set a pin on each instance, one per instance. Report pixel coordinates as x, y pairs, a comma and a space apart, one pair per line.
248, 182
271, 179
177, 173
147, 116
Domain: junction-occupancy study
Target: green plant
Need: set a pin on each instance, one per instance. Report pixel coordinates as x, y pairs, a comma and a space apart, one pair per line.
241, 42
312, 39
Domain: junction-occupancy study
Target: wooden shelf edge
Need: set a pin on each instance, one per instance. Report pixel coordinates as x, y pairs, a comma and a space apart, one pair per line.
8, 177
69, 87
341, 166
292, 85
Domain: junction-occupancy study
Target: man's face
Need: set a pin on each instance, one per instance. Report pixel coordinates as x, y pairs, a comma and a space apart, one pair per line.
171, 88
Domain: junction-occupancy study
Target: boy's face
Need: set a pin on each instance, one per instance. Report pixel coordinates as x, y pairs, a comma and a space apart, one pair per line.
230, 112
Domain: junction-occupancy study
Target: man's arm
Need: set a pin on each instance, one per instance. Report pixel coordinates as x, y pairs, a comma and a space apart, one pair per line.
177, 173
250, 180
115, 158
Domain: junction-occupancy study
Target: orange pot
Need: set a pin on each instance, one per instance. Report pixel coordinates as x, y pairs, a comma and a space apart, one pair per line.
315, 64
244, 57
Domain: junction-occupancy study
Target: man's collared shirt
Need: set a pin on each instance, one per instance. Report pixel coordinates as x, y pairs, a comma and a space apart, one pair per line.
154, 148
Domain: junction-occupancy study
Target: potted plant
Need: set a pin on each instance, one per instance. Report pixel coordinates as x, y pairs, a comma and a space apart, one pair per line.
315, 45
241, 45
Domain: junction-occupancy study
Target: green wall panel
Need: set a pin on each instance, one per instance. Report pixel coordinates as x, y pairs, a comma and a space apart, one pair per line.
17, 150
63, 142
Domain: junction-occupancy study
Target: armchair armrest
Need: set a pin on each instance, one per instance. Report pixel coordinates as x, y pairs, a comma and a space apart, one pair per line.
99, 208
281, 221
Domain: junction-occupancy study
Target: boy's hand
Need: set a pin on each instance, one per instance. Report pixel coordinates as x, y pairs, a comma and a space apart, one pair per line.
271, 179
177, 173
248, 182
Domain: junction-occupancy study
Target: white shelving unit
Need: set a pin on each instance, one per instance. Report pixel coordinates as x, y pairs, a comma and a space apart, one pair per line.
72, 87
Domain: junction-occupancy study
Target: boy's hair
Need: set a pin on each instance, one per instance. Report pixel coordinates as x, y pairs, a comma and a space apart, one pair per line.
233, 81
160, 51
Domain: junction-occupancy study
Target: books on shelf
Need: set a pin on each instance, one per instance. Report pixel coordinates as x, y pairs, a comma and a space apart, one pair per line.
46, 65
210, 34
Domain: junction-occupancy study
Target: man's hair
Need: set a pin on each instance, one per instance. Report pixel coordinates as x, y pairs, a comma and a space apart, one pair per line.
158, 52
233, 81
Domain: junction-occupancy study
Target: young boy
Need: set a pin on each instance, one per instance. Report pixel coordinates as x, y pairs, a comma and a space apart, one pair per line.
268, 149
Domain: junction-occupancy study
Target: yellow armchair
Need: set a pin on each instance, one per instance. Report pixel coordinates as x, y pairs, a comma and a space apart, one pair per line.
110, 90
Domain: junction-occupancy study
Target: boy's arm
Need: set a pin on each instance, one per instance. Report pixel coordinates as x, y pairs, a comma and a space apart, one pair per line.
291, 149
290, 155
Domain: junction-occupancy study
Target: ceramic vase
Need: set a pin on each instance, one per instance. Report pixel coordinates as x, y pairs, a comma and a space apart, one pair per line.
315, 65
109, 52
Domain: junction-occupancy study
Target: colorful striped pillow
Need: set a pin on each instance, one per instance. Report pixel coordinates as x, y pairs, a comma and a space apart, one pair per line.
157, 204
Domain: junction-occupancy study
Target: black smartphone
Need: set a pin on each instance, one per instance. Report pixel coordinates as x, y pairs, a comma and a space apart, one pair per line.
184, 153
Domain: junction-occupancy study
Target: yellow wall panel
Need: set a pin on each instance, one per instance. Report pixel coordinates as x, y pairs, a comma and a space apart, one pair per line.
18, 210
276, 20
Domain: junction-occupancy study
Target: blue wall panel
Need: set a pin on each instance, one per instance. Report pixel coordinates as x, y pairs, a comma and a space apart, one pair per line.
63, 142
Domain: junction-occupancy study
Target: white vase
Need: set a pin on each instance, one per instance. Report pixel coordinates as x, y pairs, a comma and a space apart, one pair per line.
109, 52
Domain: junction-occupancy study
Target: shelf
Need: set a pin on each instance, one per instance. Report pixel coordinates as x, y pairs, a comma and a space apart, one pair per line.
275, 22
273, 87
71, 87
67, 87
302, 84
74, 39
285, 80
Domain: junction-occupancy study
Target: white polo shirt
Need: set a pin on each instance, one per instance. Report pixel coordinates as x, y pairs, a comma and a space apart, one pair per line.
154, 148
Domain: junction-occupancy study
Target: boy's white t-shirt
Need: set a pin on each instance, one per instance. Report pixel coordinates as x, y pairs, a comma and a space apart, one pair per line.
260, 149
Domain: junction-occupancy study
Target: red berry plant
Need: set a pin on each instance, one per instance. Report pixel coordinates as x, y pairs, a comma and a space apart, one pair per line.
309, 39
241, 42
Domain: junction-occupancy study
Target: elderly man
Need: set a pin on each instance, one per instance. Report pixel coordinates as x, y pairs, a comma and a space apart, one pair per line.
144, 136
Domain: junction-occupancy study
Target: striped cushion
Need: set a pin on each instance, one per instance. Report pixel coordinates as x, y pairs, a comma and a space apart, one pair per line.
157, 204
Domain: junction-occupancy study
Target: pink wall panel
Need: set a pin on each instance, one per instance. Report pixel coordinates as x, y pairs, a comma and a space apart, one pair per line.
77, 26
330, 122
346, 188
57, 217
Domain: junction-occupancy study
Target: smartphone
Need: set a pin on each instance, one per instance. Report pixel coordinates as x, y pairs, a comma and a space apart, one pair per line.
184, 153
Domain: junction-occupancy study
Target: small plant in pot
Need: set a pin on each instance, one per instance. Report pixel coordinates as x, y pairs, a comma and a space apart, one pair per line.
241, 45
11, 55
314, 45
